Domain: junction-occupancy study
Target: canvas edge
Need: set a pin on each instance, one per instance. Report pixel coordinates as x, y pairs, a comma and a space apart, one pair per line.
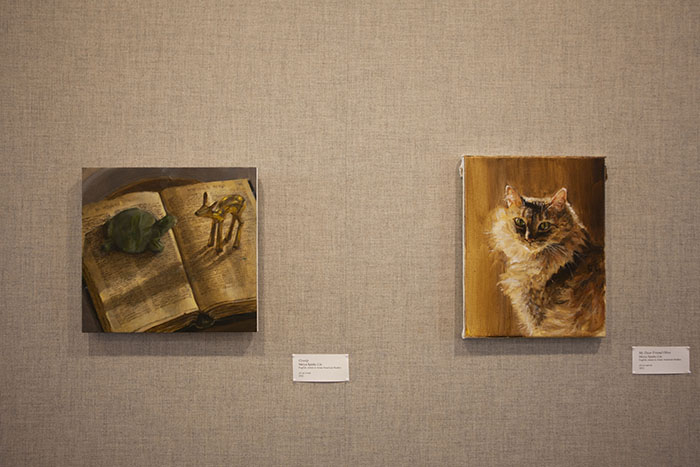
464, 252
257, 251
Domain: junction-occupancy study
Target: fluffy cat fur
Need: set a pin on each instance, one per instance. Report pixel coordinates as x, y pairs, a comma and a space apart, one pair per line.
554, 275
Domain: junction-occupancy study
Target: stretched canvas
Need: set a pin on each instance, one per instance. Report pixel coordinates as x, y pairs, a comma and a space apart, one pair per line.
533, 243
169, 249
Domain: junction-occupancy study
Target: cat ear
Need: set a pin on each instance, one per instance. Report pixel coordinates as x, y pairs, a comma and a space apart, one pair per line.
512, 197
559, 199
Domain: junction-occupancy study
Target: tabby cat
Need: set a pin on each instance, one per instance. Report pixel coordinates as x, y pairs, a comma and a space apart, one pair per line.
554, 275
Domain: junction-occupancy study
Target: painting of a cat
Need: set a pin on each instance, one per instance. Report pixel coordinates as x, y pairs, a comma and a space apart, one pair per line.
554, 275
533, 246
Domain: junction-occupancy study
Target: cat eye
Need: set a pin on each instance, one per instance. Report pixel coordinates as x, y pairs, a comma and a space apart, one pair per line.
544, 226
519, 222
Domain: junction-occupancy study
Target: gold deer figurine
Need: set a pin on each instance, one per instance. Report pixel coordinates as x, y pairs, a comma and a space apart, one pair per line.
234, 205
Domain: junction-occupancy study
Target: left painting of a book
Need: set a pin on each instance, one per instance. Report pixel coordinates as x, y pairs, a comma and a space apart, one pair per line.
170, 249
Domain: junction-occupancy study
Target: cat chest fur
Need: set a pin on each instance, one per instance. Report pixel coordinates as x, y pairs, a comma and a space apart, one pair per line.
563, 302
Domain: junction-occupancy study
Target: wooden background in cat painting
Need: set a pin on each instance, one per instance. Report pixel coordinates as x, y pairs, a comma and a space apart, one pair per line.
487, 311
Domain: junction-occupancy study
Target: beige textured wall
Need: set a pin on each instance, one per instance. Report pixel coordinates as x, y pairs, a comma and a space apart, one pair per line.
356, 114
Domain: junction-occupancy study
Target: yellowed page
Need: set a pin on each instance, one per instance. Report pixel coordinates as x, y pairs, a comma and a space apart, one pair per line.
133, 292
223, 283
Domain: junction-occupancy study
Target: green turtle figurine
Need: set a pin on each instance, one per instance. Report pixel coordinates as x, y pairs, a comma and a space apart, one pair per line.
135, 231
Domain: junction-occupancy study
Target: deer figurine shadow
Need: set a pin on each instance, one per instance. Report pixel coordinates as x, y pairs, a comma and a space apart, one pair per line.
217, 211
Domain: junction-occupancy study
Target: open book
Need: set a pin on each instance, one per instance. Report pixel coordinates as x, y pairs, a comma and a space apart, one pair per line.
167, 291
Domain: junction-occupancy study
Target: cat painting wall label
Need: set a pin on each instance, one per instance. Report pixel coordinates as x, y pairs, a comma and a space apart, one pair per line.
533, 239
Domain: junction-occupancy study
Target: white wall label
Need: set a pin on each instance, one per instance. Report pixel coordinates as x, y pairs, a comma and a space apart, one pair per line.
660, 360
321, 368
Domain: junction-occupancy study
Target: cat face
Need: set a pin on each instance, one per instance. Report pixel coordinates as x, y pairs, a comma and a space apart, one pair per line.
537, 222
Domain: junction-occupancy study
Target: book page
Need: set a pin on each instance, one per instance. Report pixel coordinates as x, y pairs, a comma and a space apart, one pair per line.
223, 283
133, 292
